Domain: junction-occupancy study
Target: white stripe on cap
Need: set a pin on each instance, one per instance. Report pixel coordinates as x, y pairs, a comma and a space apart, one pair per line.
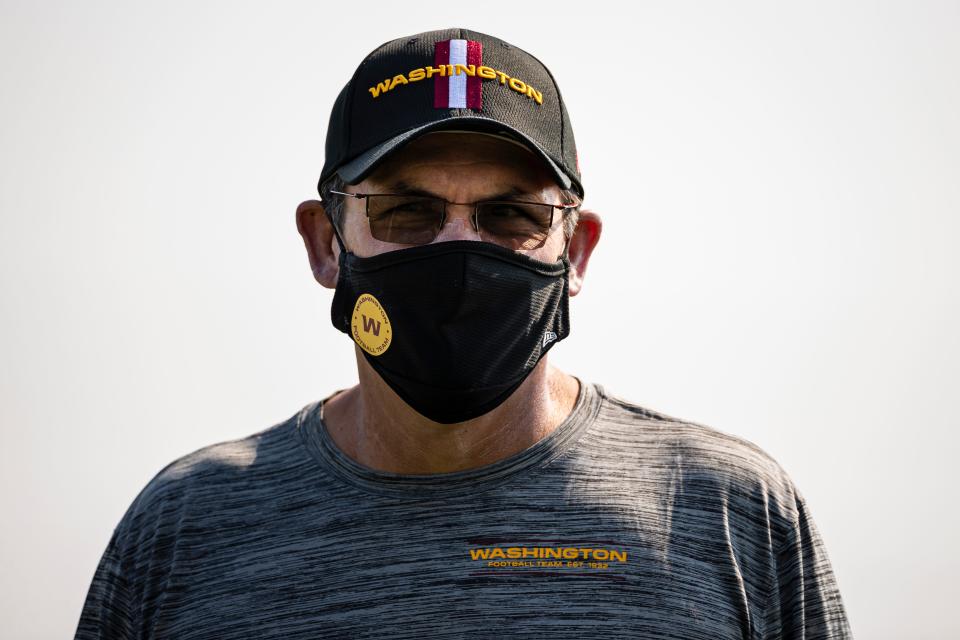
458, 82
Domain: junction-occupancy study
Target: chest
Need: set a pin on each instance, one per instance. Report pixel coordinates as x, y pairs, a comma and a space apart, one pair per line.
559, 567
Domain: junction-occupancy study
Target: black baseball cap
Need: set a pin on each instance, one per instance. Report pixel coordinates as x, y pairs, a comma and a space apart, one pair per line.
449, 79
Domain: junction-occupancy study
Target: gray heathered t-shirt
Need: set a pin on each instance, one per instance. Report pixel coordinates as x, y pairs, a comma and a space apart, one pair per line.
622, 523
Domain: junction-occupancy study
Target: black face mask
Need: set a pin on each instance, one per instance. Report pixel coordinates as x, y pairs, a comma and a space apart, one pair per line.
452, 327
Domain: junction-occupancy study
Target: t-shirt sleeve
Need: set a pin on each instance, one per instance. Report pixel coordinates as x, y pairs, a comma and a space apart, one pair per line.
805, 601
108, 611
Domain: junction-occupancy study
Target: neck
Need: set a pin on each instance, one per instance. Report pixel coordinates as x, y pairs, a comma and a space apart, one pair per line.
372, 425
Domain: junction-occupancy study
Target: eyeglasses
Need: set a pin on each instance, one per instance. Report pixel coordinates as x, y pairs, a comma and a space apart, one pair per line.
410, 219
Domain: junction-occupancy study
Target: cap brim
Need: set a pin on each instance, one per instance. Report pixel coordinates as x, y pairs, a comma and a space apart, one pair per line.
363, 165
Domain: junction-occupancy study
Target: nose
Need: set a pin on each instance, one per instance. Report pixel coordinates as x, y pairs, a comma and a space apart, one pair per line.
458, 225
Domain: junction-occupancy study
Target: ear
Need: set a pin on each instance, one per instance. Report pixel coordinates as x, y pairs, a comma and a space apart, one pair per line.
585, 237
318, 237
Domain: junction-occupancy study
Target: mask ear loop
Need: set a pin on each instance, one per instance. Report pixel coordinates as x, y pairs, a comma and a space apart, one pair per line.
336, 231
565, 256
566, 246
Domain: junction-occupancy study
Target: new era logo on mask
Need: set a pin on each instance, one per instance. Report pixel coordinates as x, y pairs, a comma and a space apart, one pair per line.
548, 337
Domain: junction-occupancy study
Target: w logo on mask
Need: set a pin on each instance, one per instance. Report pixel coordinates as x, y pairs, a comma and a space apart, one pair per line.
370, 325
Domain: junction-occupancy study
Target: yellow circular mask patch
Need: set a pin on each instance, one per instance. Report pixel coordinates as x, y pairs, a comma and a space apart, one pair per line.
370, 325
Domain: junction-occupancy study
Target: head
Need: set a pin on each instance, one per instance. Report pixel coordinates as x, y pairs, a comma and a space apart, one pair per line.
464, 117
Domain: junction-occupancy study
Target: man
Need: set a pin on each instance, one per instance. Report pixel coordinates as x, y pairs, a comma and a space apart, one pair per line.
465, 487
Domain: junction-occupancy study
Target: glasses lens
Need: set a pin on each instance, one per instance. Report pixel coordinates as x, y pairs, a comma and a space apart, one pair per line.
404, 219
516, 225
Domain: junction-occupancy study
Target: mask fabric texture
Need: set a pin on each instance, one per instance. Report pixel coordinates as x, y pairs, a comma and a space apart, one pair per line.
452, 327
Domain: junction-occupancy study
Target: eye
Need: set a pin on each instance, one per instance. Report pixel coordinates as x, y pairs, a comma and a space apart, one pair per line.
410, 207
406, 207
506, 210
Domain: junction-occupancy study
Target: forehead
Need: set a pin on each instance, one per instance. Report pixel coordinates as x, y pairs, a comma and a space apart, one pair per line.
466, 155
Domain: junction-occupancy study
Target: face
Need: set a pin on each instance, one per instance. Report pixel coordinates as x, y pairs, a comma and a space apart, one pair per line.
458, 167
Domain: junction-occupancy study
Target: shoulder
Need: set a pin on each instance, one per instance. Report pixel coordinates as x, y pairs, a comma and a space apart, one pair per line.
208, 476
701, 458
705, 445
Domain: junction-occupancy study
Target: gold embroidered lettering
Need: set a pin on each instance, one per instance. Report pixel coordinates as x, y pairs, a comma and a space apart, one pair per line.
518, 85
380, 88
400, 79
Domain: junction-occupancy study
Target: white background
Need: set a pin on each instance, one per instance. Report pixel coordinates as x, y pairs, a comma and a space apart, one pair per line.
779, 185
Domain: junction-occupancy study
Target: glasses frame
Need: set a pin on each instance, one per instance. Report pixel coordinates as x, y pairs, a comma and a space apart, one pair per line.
474, 219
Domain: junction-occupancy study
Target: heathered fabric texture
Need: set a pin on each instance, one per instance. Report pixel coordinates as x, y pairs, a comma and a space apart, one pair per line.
682, 531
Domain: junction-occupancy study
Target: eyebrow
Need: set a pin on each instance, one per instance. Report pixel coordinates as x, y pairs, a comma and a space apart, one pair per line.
403, 187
